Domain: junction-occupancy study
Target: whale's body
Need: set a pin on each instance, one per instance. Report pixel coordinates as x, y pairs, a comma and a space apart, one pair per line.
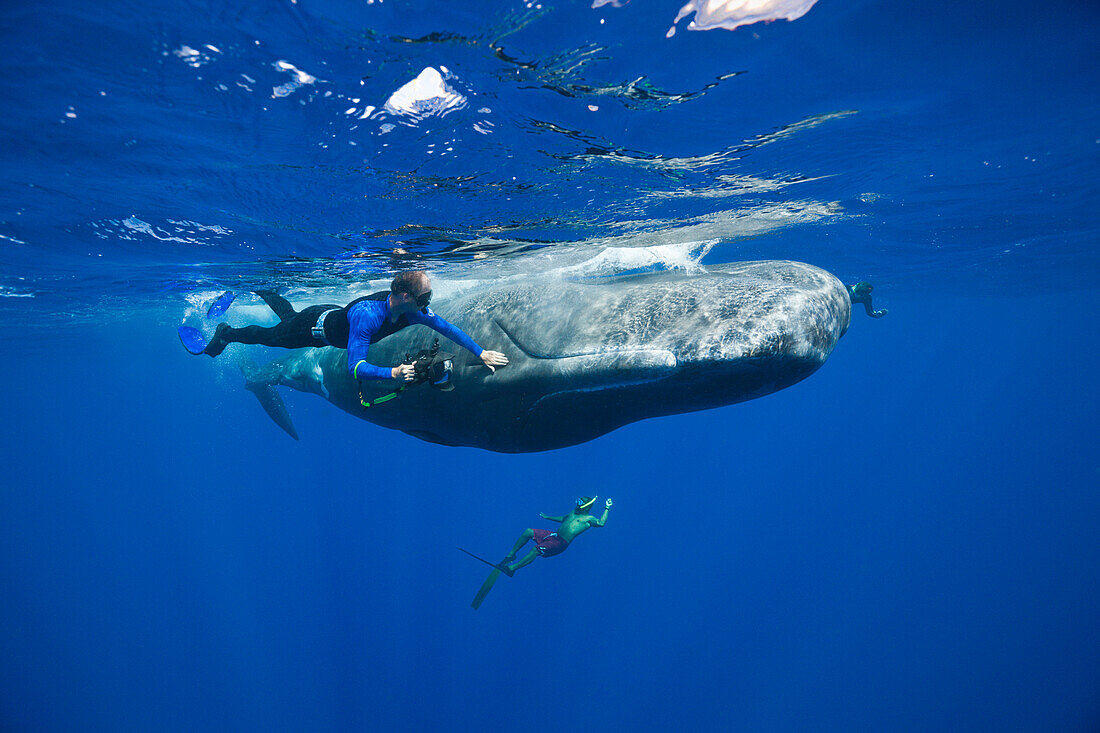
588, 357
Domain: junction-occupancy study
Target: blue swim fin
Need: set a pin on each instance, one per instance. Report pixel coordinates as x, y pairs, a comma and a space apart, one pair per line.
218, 308
192, 339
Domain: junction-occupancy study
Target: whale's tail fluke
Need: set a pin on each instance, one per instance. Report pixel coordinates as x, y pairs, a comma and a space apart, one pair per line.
269, 397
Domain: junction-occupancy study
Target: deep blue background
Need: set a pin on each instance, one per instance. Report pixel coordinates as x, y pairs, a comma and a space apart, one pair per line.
904, 541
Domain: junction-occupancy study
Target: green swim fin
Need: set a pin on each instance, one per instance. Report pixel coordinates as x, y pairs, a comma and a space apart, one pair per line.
503, 567
490, 581
485, 588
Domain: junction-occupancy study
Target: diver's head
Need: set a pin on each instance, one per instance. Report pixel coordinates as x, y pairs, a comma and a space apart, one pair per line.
410, 291
862, 288
583, 504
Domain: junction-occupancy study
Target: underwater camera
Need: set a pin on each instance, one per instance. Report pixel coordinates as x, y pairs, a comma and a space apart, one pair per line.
433, 367
428, 366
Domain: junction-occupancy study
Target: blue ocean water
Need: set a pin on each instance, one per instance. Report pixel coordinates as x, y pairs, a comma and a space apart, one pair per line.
904, 541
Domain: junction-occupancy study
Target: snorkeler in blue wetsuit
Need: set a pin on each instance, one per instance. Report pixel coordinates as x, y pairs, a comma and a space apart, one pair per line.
354, 327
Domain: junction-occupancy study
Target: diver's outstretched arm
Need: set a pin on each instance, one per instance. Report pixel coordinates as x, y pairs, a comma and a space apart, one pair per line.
602, 520
871, 312
861, 293
547, 517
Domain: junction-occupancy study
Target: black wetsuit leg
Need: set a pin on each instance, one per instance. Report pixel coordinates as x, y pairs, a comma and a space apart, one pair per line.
295, 332
282, 307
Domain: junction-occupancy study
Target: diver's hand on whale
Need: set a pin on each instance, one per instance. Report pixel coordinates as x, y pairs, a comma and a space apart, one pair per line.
493, 359
404, 372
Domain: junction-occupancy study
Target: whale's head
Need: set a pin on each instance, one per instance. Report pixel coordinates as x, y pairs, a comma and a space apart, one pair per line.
590, 356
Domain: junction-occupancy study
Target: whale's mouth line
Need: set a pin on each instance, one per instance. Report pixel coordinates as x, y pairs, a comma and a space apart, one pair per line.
625, 384
665, 363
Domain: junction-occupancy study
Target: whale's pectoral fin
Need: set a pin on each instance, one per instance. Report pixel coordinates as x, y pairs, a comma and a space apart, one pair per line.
430, 437
269, 397
273, 405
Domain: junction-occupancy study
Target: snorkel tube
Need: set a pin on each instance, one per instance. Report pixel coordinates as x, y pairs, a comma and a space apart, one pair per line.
583, 503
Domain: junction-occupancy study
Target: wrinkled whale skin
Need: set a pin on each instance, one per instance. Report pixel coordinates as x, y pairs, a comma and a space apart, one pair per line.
587, 357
